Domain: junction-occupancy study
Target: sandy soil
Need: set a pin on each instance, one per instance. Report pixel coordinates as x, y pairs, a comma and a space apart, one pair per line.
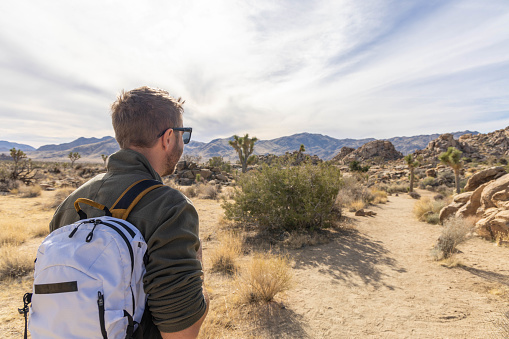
379, 282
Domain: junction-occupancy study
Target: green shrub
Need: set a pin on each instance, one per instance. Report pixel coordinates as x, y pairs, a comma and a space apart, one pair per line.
355, 166
428, 181
289, 198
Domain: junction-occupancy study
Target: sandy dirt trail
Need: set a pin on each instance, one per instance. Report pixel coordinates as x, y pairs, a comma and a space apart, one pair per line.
380, 282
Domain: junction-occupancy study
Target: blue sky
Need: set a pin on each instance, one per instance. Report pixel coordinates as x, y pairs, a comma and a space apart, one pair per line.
346, 68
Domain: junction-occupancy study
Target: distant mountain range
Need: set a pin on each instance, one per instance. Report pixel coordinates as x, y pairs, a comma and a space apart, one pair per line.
323, 146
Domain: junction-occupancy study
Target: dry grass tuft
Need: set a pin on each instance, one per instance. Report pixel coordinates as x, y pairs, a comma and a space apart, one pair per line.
356, 205
265, 277
14, 263
208, 191
190, 191
428, 210
380, 197
454, 232
59, 197
225, 255
29, 191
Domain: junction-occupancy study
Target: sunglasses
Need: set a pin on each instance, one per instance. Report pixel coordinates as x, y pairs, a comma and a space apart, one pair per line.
186, 136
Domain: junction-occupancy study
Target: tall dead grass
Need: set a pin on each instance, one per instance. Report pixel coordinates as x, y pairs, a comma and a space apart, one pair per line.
264, 277
14, 262
428, 210
224, 257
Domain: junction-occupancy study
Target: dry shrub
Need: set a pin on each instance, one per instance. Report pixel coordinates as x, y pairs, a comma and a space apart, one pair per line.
14, 263
414, 195
29, 191
227, 193
266, 276
454, 232
356, 205
208, 191
353, 191
11, 233
380, 197
59, 197
225, 255
428, 210
397, 188
190, 191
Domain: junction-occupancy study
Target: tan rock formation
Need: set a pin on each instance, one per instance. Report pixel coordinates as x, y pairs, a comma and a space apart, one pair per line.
484, 176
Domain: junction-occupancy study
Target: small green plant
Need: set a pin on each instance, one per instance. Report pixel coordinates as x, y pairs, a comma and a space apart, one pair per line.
355, 166
286, 197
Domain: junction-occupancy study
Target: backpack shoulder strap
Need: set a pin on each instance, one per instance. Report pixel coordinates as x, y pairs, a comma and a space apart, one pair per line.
131, 196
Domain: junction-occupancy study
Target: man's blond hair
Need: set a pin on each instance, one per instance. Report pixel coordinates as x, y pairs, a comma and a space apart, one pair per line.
140, 115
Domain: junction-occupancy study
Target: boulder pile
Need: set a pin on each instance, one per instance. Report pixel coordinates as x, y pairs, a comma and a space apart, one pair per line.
186, 173
377, 149
486, 197
478, 147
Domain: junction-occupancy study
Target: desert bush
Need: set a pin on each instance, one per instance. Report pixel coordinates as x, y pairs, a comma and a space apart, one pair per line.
59, 197
14, 263
208, 191
225, 255
265, 276
356, 205
8, 185
414, 195
352, 191
380, 197
392, 188
220, 163
428, 210
190, 191
29, 191
454, 232
428, 181
289, 198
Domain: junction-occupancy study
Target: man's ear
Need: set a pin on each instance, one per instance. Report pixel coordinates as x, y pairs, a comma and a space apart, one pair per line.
166, 138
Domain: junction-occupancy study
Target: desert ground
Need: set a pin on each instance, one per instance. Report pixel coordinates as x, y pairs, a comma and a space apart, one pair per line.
373, 279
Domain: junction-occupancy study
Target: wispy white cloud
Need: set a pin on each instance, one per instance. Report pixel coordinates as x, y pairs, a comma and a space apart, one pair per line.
347, 68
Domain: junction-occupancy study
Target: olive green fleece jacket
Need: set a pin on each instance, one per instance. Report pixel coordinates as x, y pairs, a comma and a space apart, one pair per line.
169, 223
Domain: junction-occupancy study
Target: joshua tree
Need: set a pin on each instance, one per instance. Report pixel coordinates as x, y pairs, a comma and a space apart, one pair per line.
452, 158
244, 147
23, 169
412, 164
73, 156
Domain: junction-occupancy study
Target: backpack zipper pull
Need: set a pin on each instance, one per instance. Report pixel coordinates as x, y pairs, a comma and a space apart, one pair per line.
75, 230
91, 234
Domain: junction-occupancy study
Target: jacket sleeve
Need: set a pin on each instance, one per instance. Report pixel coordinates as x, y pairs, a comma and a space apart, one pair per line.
173, 281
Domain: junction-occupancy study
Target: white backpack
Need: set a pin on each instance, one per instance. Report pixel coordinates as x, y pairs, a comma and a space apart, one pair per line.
88, 279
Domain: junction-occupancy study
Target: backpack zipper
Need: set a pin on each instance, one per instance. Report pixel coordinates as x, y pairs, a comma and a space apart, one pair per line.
100, 304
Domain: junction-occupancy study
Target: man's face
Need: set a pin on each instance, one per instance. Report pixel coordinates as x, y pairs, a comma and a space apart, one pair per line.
175, 151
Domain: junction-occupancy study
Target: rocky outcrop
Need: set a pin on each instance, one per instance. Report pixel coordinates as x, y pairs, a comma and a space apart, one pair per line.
377, 149
482, 177
343, 152
476, 147
489, 202
187, 172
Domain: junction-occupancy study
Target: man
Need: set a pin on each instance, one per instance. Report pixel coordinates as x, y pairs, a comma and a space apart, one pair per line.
148, 127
